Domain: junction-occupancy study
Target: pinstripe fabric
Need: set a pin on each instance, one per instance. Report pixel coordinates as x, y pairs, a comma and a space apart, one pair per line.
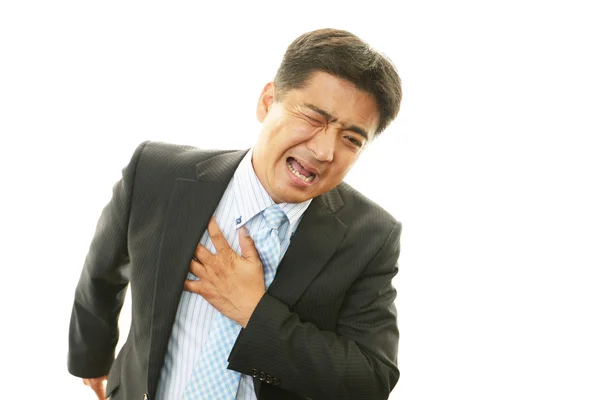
241, 204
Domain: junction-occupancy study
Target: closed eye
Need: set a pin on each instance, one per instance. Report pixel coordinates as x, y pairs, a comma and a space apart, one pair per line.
354, 141
316, 121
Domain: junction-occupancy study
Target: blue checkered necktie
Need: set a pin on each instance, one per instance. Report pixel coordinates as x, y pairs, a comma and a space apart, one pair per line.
211, 379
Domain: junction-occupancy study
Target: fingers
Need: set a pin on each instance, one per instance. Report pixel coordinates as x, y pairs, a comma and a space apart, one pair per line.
198, 287
199, 261
216, 236
198, 269
247, 245
97, 385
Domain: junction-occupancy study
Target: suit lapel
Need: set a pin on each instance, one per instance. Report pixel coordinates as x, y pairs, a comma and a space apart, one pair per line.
191, 205
316, 239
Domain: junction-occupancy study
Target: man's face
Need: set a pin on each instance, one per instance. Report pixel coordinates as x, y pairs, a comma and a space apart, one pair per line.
311, 137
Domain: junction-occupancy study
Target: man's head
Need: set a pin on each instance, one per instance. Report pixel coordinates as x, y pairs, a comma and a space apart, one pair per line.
331, 96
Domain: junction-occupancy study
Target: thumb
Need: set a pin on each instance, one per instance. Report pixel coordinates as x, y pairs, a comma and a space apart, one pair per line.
247, 246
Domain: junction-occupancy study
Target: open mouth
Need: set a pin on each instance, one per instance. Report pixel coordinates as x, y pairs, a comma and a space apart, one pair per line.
298, 170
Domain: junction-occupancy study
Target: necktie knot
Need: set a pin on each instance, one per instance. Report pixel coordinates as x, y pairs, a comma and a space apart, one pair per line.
274, 216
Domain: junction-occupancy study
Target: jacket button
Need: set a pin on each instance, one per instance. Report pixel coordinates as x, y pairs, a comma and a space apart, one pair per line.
255, 373
262, 376
269, 378
276, 381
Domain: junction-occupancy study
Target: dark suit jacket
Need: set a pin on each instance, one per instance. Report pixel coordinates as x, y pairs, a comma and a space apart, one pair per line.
325, 329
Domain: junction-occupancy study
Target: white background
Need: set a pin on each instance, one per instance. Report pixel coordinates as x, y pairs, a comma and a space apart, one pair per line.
492, 166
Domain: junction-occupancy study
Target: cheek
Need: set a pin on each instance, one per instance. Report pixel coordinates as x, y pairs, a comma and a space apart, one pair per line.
294, 135
343, 167
302, 131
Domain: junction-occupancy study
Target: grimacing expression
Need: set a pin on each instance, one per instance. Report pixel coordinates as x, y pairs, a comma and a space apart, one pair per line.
311, 137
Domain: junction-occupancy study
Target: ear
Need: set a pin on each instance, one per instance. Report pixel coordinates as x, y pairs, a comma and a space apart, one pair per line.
267, 97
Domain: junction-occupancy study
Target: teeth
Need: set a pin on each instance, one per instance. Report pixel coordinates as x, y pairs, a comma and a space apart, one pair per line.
299, 175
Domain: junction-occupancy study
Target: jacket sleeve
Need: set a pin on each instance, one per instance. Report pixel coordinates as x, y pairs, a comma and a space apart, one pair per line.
357, 361
99, 296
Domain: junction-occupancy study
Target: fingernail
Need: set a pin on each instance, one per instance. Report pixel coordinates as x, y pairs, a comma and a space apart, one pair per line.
245, 231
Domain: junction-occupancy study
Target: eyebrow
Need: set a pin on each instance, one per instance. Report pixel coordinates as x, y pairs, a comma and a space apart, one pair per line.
331, 118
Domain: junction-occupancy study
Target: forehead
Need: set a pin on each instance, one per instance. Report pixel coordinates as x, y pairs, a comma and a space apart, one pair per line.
338, 97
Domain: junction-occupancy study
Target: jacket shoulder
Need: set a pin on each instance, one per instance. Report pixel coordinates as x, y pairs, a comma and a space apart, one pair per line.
357, 206
160, 159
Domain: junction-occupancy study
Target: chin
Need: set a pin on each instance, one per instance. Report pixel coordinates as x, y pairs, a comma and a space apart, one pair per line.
293, 197
290, 199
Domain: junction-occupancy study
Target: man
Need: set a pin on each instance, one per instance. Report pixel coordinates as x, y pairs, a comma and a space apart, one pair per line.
254, 274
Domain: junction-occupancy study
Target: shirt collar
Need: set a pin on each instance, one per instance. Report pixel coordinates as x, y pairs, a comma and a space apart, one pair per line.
252, 198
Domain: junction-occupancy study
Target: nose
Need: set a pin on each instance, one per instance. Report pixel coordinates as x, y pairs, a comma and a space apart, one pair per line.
322, 144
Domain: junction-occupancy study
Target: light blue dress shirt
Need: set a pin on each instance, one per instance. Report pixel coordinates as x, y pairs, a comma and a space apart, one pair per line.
242, 203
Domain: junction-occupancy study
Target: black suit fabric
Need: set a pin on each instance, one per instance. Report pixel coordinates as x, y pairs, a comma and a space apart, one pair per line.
326, 328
